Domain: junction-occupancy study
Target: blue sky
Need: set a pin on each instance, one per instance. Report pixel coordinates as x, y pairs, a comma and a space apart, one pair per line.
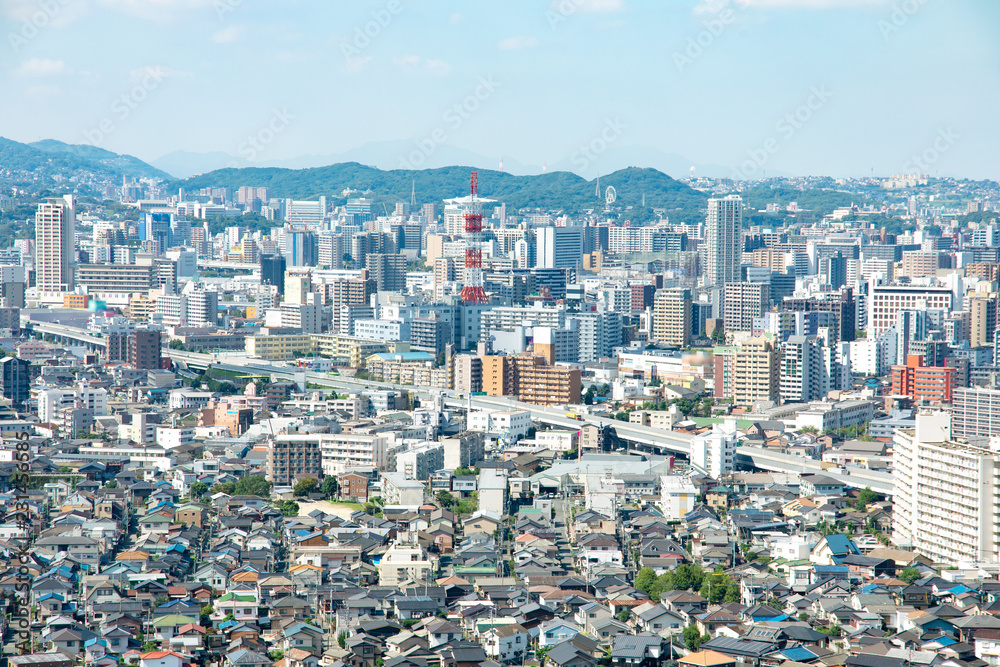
832, 87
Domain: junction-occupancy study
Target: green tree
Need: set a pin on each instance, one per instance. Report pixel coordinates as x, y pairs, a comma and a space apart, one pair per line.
909, 575
809, 429
198, 489
330, 487
342, 637
177, 344
692, 638
253, 486
305, 486
446, 499
588, 396
865, 498
687, 577
226, 487
288, 507
150, 646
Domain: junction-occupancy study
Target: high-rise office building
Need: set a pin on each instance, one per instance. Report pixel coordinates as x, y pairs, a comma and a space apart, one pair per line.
14, 380
558, 247
672, 317
723, 240
272, 271
144, 349
55, 228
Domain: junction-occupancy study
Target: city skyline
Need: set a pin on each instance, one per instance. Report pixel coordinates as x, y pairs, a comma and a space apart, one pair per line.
811, 87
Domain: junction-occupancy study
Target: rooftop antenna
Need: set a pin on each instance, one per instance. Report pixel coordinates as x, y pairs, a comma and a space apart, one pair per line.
545, 167
501, 164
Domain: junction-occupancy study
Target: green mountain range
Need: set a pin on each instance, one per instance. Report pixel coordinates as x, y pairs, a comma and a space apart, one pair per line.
50, 158
557, 190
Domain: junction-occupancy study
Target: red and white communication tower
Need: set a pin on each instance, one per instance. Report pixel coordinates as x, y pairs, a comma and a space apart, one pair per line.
473, 291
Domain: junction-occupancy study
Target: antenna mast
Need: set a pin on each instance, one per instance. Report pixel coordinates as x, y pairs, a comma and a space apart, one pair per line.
473, 291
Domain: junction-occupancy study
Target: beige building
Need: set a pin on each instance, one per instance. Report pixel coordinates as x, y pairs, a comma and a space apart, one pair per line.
672, 317
115, 278
402, 564
920, 263
468, 373
55, 245
756, 371
982, 318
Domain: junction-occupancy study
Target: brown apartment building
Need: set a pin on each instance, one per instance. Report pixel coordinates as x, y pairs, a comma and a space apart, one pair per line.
530, 379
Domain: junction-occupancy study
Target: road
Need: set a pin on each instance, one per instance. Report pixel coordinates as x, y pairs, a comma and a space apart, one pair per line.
646, 438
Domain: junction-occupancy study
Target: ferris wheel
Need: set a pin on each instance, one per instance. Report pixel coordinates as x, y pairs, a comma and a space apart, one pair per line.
610, 195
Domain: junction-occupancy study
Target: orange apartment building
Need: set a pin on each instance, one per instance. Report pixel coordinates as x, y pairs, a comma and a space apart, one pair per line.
530, 379
934, 384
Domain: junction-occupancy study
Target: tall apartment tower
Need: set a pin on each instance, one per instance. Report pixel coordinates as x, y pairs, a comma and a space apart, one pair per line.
55, 228
723, 240
756, 371
672, 317
744, 302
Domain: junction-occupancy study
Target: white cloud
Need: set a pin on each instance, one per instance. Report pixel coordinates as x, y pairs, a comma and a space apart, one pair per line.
228, 35
455, 18
438, 67
520, 42
38, 67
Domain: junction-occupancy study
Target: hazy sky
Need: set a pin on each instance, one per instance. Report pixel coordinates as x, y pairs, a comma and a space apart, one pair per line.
836, 87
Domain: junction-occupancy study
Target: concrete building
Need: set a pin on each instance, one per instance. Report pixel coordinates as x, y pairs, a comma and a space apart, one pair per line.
598, 333
803, 372
714, 451
559, 247
514, 422
14, 380
531, 380
341, 452
115, 278
468, 373
464, 450
743, 303
976, 413
55, 245
405, 564
945, 496
387, 270
677, 496
421, 461
723, 241
398, 489
290, 458
934, 384
756, 371
884, 301
672, 317
493, 491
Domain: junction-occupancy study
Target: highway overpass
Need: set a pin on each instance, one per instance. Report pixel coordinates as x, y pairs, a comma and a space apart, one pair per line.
853, 476
67, 335
639, 438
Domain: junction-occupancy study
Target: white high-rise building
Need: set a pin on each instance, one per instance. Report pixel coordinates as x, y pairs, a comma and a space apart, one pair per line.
55, 246
715, 450
559, 247
724, 240
945, 495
